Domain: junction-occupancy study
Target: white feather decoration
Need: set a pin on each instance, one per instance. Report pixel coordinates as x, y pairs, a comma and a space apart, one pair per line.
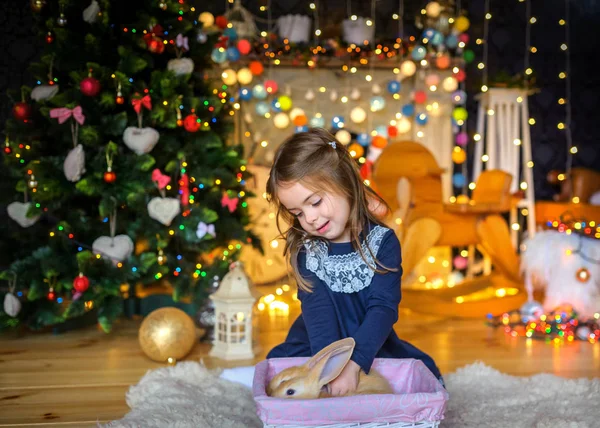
551, 262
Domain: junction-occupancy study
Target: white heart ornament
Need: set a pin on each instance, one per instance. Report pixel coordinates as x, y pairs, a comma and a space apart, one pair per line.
164, 210
74, 165
90, 13
140, 140
12, 305
181, 66
18, 212
44, 92
117, 249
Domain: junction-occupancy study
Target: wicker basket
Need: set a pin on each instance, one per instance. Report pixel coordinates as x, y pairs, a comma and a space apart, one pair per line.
419, 400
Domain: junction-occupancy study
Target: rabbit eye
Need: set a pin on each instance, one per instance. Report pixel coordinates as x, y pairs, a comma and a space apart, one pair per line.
290, 392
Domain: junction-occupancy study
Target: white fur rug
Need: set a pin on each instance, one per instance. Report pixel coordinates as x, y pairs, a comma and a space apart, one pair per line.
189, 395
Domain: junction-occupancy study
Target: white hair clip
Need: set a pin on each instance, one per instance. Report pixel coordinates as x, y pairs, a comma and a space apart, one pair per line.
332, 144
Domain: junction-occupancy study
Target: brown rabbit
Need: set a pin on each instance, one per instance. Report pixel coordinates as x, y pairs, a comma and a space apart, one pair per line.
310, 379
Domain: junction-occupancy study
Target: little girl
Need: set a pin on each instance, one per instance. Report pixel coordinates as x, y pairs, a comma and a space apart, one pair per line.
346, 262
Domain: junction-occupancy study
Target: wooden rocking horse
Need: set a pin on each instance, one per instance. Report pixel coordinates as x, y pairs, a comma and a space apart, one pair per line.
408, 178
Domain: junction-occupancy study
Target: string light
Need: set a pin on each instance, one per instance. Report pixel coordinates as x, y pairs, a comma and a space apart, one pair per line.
571, 149
486, 28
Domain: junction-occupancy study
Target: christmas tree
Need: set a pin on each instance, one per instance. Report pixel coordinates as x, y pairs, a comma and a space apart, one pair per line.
120, 164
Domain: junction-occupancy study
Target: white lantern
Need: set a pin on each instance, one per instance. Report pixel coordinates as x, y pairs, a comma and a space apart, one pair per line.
229, 77
403, 125
310, 95
296, 111
244, 76
358, 115
207, 19
343, 137
408, 68
281, 120
233, 303
450, 84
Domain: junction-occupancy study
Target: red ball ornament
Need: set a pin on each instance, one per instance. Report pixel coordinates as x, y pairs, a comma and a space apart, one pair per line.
90, 86
21, 111
120, 99
110, 176
81, 283
271, 86
49, 37
244, 46
7, 150
221, 22
155, 45
420, 97
51, 294
392, 131
460, 75
191, 123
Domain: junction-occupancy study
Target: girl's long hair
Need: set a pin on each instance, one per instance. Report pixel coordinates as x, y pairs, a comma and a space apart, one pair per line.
309, 158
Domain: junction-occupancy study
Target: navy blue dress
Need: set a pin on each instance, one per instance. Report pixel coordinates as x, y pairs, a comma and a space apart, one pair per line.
349, 299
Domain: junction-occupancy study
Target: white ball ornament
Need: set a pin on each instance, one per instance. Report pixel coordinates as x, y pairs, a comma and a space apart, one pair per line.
450, 84
229, 77
281, 120
244, 76
433, 9
343, 137
403, 125
408, 68
295, 112
358, 115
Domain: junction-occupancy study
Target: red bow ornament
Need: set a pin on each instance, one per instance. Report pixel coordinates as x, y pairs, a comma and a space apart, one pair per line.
145, 101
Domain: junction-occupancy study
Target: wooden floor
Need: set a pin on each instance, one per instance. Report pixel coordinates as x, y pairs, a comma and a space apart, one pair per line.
76, 379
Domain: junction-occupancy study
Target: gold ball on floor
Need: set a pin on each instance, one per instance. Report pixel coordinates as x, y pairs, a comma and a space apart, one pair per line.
167, 334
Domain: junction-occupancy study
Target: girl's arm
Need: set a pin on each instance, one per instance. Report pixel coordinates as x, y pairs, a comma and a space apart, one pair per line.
317, 310
382, 305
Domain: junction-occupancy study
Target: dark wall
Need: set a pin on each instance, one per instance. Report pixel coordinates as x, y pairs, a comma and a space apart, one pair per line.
506, 52
19, 46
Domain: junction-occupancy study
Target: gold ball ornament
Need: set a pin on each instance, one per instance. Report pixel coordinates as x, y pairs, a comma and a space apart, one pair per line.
167, 334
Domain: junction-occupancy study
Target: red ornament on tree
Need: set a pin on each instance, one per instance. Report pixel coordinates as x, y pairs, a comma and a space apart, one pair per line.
22, 111
51, 294
392, 131
110, 176
90, 86
191, 123
49, 37
155, 45
221, 22
81, 283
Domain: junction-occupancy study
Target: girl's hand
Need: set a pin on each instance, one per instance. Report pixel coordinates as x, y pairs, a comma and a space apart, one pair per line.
347, 381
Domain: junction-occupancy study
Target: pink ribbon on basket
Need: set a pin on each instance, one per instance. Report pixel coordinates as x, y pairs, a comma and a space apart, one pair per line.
63, 114
181, 41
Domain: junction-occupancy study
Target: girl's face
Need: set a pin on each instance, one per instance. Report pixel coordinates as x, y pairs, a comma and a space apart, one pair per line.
323, 214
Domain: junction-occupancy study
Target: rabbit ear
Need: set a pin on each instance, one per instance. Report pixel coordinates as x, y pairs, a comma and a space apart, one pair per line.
328, 363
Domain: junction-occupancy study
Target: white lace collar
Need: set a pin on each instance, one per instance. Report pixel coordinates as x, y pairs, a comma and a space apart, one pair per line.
345, 273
